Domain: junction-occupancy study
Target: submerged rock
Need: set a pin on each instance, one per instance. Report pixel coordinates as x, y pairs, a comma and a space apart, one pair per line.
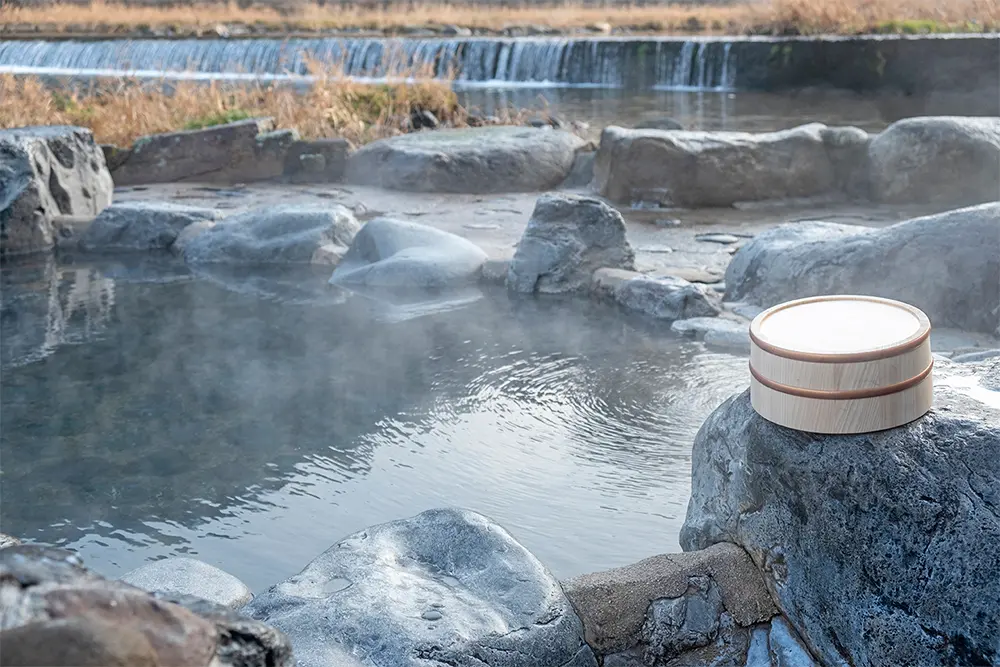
566, 240
880, 548
142, 226
394, 253
660, 297
446, 587
943, 159
276, 235
475, 160
53, 611
715, 168
45, 173
948, 265
187, 576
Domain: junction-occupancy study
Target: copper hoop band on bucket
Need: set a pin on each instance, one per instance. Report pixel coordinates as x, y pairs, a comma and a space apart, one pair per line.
845, 394
850, 357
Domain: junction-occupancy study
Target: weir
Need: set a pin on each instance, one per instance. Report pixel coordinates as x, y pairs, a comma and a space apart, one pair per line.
910, 64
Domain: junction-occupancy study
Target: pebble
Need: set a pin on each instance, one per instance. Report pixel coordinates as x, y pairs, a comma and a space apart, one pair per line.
667, 222
724, 239
431, 615
660, 249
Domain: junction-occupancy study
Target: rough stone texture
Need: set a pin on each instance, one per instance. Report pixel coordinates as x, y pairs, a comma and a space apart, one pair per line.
248, 150
785, 647
613, 604
659, 297
8, 541
242, 641
881, 549
46, 172
187, 576
717, 168
141, 226
279, 235
447, 587
566, 240
847, 148
53, 611
394, 253
948, 265
953, 160
689, 621
476, 160
331, 167
582, 172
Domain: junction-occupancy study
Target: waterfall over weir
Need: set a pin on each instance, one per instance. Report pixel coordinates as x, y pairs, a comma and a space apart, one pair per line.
649, 63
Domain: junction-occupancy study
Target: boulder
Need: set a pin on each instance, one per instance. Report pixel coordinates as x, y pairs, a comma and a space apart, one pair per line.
47, 172
142, 226
394, 253
273, 235
317, 161
879, 548
951, 160
8, 541
248, 150
717, 168
659, 297
187, 576
53, 611
948, 265
566, 240
447, 587
474, 160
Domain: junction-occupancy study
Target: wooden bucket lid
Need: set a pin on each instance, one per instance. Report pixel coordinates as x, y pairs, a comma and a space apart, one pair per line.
840, 329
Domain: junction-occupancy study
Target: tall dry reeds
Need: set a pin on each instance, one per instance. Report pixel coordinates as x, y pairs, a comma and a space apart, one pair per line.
120, 110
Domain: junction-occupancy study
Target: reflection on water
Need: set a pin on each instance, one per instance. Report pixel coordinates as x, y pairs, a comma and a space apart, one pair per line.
156, 413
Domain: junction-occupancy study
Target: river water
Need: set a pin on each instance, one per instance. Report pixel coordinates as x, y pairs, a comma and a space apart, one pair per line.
254, 421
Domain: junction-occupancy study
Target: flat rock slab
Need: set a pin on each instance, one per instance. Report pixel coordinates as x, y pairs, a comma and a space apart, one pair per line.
397, 254
45, 173
248, 150
948, 265
880, 548
446, 587
474, 160
659, 297
142, 226
188, 576
278, 235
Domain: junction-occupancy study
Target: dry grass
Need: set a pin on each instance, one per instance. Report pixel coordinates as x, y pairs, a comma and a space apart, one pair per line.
123, 110
757, 16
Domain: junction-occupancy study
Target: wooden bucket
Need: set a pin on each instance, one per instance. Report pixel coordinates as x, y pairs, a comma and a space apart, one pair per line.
841, 364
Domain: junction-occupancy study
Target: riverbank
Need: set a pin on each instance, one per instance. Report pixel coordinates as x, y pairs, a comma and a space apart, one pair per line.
119, 111
770, 17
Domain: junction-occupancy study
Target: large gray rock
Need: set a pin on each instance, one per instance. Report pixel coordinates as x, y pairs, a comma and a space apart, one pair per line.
718, 168
46, 172
881, 548
248, 150
394, 253
659, 297
566, 240
475, 160
447, 587
187, 576
53, 611
278, 235
141, 225
948, 265
945, 159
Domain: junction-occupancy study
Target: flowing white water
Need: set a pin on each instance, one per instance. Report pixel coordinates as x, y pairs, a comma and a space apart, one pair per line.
670, 64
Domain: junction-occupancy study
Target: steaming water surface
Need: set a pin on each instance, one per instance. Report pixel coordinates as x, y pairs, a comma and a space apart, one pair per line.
252, 423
